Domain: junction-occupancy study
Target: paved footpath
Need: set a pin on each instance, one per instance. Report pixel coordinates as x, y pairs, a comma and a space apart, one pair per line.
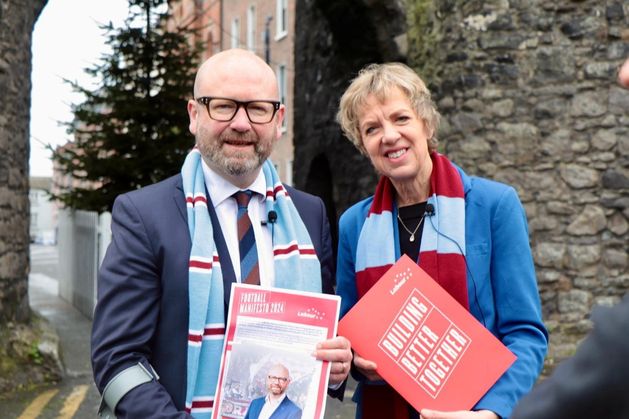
76, 397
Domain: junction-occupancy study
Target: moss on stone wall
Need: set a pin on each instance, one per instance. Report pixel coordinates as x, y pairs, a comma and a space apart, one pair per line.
424, 36
28, 356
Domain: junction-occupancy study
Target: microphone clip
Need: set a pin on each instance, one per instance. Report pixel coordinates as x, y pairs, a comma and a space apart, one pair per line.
430, 210
271, 218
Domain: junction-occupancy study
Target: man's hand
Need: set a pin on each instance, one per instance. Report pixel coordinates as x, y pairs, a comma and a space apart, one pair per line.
338, 352
366, 368
461, 414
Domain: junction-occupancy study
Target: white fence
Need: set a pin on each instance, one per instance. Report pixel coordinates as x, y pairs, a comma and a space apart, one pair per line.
82, 241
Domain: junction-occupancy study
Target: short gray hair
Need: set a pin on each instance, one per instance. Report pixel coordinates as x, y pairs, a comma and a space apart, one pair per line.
379, 80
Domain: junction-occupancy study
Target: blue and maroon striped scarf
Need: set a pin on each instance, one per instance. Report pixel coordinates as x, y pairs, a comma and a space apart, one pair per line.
296, 267
377, 250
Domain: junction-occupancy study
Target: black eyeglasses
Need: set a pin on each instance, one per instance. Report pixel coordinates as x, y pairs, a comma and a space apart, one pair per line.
224, 109
278, 379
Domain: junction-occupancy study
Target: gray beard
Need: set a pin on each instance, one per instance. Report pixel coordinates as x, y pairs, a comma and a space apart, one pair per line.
235, 165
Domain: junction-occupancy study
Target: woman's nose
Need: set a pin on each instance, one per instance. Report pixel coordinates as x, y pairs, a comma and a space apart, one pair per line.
389, 133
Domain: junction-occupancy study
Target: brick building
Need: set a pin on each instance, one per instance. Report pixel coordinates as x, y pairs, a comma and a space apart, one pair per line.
266, 27
205, 17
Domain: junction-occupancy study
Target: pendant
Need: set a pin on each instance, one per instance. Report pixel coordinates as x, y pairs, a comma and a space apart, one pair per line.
412, 238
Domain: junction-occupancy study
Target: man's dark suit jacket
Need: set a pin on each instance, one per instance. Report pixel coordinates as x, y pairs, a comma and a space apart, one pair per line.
142, 309
594, 383
286, 410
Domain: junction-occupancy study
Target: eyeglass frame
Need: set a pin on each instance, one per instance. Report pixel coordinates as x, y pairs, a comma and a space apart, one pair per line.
276, 378
205, 101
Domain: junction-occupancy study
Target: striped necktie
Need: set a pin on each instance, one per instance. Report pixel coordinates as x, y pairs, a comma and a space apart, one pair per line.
249, 267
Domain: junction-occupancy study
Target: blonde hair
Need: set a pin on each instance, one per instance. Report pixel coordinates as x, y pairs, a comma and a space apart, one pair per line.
379, 80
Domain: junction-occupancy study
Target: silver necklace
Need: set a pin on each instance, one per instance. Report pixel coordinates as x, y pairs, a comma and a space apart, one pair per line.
412, 233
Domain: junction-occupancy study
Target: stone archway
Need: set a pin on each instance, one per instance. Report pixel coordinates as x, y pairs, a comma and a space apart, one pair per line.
342, 37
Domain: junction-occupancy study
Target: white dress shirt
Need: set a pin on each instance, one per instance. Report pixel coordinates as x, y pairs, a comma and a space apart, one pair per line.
270, 406
226, 208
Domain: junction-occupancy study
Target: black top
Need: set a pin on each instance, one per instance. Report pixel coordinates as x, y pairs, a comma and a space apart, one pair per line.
411, 216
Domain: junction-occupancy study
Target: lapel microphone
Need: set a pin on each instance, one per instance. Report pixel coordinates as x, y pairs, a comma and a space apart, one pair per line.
271, 218
430, 210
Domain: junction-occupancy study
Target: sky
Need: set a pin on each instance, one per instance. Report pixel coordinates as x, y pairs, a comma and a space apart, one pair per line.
66, 40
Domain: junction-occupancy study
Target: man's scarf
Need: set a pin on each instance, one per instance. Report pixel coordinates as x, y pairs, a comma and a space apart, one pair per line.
296, 267
441, 255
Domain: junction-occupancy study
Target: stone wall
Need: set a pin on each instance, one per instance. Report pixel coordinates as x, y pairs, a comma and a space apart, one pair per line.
528, 96
17, 18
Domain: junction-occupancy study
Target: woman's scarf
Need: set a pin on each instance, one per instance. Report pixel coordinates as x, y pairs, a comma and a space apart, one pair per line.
296, 267
441, 255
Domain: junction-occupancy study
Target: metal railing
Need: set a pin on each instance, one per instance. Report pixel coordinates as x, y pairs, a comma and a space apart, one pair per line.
82, 241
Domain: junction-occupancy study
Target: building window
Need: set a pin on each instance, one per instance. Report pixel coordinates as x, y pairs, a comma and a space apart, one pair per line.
282, 19
198, 6
251, 28
235, 33
281, 82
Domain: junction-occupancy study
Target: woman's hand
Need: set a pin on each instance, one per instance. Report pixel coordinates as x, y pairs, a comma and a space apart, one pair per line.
461, 414
366, 368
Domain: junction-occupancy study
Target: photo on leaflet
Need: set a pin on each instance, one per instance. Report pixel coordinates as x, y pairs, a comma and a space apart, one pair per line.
246, 377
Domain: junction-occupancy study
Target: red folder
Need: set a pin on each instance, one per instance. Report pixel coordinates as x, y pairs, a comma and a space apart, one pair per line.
428, 347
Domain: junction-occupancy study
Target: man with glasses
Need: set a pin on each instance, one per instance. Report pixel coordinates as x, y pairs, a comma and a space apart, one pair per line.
276, 404
178, 245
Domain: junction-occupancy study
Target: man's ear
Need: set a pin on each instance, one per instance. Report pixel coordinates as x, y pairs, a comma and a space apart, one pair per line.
281, 112
193, 114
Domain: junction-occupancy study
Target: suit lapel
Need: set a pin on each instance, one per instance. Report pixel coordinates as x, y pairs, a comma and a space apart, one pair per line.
279, 412
180, 199
227, 268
